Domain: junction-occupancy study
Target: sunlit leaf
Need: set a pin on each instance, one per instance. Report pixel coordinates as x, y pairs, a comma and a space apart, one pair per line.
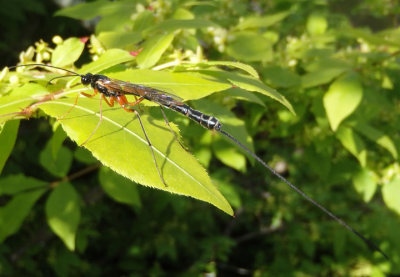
63, 213
342, 98
119, 143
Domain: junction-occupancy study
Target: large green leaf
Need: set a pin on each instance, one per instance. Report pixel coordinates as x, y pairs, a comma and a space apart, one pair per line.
342, 98
63, 213
120, 144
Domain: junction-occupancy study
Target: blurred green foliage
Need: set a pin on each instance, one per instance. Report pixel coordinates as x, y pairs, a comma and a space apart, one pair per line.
336, 62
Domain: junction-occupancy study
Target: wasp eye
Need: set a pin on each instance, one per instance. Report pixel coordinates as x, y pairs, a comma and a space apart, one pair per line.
86, 79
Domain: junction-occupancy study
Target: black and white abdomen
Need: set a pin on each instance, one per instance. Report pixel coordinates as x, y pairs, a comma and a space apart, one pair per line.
204, 120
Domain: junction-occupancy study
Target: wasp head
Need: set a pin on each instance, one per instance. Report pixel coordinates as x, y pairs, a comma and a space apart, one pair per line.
87, 79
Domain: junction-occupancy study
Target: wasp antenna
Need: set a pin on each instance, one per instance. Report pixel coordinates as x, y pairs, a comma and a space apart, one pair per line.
59, 77
46, 65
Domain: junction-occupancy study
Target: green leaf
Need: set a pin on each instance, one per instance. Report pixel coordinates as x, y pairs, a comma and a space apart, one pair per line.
281, 77
108, 59
153, 49
377, 136
17, 209
249, 47
391, 194
252, 22
120, 20
242, 94
119, 143
87, 10
84, 156
323, 72
63, 213
374, 39
8, 136
229, 191
365, 184
119, 188
143, 20
119, 39
342, 98
185, 85
353, 143
229, 155
316, 24
171, 25
249, 83
58, 165
68, 52
245, 67
14, 184
56, 141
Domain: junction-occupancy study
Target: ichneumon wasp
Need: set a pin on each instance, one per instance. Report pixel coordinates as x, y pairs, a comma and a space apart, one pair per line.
112, 90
